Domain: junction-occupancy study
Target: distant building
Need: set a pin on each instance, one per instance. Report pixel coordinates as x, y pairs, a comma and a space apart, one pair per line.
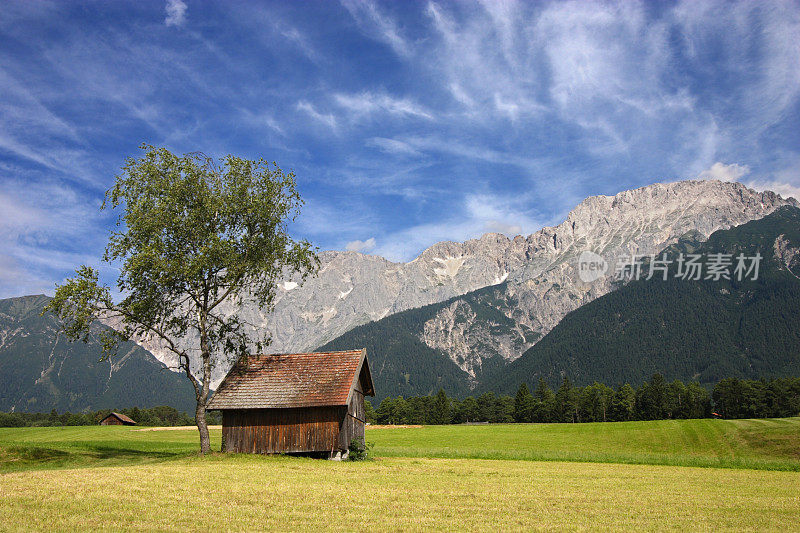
117, 419
294, 403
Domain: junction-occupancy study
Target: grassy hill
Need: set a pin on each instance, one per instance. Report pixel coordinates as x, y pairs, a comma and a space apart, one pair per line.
771, 444
40, 370
431, 478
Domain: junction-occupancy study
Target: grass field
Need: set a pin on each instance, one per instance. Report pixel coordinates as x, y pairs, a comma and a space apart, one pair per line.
507, 477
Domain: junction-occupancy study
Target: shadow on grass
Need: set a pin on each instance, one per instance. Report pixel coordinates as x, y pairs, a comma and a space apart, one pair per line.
19, 458
32, 453
110, 452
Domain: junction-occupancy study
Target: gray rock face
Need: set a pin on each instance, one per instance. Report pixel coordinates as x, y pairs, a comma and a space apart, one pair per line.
788, 257
546, 286
539, 272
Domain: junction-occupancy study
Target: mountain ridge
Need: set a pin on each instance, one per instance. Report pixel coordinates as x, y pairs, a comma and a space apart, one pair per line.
40, 370
704, 330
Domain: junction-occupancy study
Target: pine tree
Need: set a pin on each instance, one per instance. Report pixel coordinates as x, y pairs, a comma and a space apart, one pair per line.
441, 411
545, 402
523, 405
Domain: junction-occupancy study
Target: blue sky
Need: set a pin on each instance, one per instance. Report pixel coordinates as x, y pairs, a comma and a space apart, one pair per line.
407, 123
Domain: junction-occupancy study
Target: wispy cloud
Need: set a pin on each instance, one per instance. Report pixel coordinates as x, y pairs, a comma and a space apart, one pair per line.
437, 144
393, 146
325, 118
299, 39
473, 216
377, 25
367, 103
47, 229
722, 172
405, 122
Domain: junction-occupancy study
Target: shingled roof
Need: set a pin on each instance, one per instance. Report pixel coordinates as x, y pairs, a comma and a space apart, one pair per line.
293, 380
122, 418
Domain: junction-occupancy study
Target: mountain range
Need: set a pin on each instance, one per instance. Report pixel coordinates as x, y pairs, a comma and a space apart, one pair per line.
459, 315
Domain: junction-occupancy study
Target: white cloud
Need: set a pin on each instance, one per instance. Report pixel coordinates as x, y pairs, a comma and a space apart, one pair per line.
758, 42
325, 118
495, 226
735, 172
333, 221
786, 190
722, 172
300, 40
476, 152
176, 13
361, 246
30, 130
486, 59
259, 119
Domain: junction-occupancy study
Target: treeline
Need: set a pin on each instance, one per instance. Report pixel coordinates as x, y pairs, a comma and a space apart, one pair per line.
743, 398
657, 399
153, 416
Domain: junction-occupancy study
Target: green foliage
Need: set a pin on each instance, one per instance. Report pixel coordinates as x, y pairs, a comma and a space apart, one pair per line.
359, 450
440, 409
524, 404
653, 400
735, 398
191, 235
369, 412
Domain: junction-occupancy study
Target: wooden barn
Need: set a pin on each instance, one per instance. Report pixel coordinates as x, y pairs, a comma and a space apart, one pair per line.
117, 419
294, 403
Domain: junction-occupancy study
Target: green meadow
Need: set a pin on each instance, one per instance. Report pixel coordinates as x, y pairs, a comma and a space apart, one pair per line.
688, 474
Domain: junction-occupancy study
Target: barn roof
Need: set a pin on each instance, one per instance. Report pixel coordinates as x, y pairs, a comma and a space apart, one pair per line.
293, 380
121, 417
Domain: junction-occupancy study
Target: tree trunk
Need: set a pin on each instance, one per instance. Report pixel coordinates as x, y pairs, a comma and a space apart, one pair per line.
202, 427
200, 414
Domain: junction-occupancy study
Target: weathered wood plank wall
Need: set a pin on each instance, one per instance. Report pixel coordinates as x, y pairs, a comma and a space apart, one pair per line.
310, 429
354, 421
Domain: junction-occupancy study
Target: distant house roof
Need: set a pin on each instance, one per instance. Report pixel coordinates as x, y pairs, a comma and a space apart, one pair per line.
122, 418
294, 380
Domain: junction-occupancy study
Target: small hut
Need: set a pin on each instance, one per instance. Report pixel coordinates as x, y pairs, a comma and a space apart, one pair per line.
117, 419
294, 403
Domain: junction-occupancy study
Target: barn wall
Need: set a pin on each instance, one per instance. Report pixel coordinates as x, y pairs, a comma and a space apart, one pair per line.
353, 423
111, 421
312, 429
